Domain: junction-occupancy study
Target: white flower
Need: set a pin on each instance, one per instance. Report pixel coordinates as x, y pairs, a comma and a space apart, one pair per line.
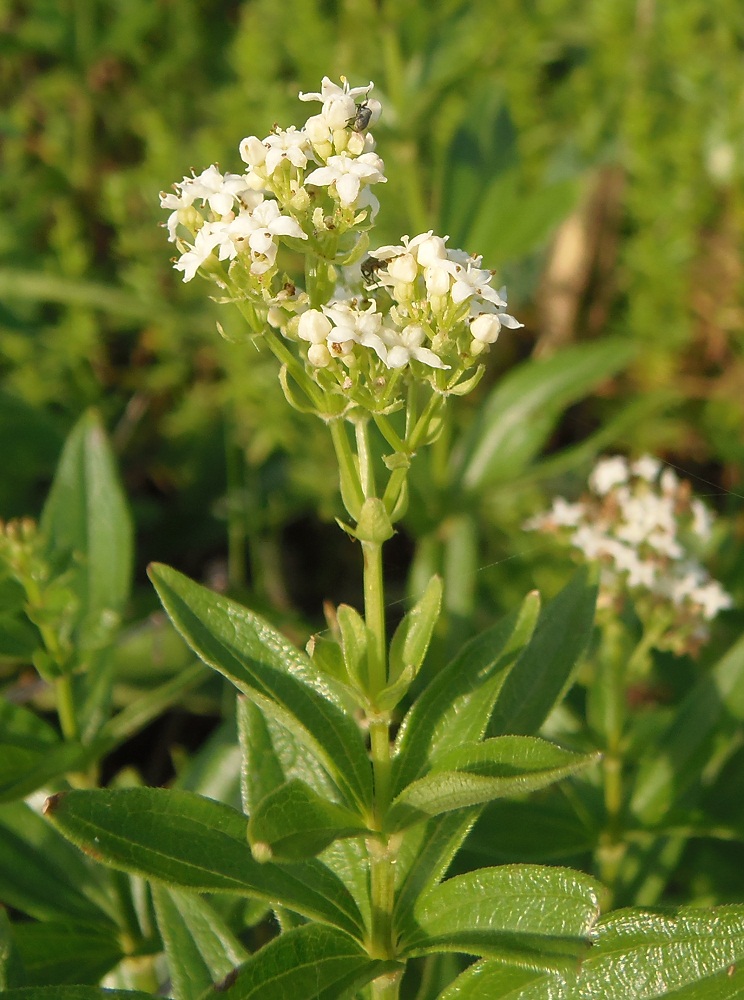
339, 104
646, 467
607, 473
472, 280
208, 237
405, 345
348, 173
351, 325
712, 598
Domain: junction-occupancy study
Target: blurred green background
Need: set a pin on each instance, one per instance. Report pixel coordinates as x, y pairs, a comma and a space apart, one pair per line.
592, 152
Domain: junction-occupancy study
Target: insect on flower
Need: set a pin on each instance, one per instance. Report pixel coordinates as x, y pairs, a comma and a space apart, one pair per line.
367, 112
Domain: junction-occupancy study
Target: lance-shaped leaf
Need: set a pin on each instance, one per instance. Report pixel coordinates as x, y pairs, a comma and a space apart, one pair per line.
413, 635
456, 706
43, 875
191, 842
271, 672
69, 952
688, 741
687, 954
309, 963
24, 768
544, 670
520, 414
476, 773
294, 822
75, 993
271, 756
425, 855
494, 980
11, 968
86, 513
506, 911
200, 948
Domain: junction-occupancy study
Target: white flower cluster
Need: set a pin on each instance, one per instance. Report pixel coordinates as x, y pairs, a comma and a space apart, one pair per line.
640, 522
418, 306
244, 215
434, 296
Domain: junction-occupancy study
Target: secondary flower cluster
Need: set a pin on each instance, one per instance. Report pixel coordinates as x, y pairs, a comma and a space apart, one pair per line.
365, 317
641, 523
438, 309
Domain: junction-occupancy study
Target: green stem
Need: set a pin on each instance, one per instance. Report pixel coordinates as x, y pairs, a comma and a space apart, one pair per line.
374, 615
66, 708
351, 486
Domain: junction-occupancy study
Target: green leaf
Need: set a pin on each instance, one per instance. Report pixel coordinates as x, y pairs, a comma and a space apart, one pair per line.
413, 635
688, 954
191, 842
544, 670
11, 969
527, 219
25, 768
75, 993
294, 822
476, 773
31, 753
66, 953
44, 876
538, 829
354, 641
425, 855
86, 513
271, 756
688, 742
492, 980
522, 411
272, 673
310, 963
200, 948
455, 707
506, 911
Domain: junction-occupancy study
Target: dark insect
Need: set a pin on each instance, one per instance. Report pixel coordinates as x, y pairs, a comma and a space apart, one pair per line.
370, 265
362, 118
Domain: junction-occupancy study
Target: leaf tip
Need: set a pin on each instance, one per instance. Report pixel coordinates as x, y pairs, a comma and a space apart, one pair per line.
50, 805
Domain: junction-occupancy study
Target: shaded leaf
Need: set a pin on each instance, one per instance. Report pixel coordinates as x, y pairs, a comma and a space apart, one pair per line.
44, 876
272, 673
308, 963
66, 953
200, 948
86, 513
518, 417
191, 842
74, 993
684, 748
456, 705
294, 822
544, 669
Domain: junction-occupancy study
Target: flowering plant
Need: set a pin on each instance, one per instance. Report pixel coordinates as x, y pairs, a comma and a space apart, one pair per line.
364, 774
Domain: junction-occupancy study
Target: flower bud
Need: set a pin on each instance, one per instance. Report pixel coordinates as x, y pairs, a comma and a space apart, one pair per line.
431, 251
403, 268
314, 327
355, 143
485, 328
437, 281
319, 355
